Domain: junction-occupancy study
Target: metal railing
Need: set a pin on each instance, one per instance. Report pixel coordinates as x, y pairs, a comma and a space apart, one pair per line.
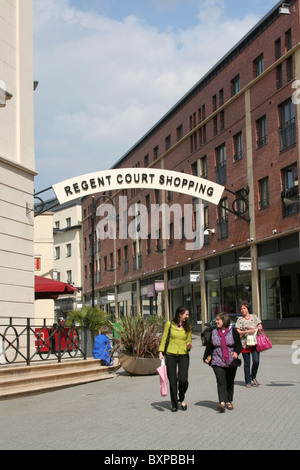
29, 340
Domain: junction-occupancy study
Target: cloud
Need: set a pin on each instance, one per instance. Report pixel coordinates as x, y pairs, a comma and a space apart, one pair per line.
104, 83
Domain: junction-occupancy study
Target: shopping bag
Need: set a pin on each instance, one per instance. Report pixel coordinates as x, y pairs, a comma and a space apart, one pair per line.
163, 378
252, 339
263, 342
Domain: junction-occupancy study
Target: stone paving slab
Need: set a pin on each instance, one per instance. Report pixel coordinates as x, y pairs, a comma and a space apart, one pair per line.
128, 413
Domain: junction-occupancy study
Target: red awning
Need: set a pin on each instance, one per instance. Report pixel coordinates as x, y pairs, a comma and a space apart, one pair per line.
49, 289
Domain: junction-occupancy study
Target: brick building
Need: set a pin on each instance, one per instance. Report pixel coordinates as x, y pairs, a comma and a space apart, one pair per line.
239, 127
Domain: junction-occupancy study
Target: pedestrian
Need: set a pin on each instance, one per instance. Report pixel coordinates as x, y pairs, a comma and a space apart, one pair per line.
174, 347
221, 352
249, 324
102, 348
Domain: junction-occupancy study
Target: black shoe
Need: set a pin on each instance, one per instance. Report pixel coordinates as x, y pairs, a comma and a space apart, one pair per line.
173, 409
183, 407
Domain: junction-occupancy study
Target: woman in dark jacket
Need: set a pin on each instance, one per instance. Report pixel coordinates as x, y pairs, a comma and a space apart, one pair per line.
221, 352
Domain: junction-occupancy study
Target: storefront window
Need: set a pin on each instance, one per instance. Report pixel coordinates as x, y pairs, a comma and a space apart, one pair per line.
176, 301
290, 290
213, 296
228, 295
270, 294
197, 317
244, 290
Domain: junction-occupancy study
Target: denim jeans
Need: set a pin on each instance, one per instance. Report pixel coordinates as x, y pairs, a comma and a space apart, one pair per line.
247, 365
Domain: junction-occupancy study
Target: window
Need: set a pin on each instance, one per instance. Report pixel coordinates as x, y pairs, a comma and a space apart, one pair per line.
179, 132
69, 250
287, 128
203, 167
57, 225
221, 97
157, 196
168, 142
195, 168
288, 40
149, 243
68, 222
69, 277
193, 142
221, 176
214, 103
171, 234
264, 196
148, 203
215, 125
206, 222
261, 132
222, 120
238, 146
146, 160
155, 153
278, 49
235, 85
290, 181
279, 82
57, 252
223, 219
240, 205
289, 69
258, 65
158, 240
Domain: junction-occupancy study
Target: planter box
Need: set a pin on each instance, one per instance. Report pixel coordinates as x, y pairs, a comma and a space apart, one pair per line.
139, 365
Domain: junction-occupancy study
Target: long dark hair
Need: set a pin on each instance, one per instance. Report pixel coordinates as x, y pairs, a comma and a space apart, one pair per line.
247, 305
180, 310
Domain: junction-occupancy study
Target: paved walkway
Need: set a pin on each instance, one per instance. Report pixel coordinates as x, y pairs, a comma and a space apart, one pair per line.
128, 413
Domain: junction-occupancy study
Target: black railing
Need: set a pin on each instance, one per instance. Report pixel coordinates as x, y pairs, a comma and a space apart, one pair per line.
29, 340
287, 135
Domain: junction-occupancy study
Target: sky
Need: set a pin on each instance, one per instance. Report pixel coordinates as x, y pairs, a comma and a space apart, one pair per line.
108, 70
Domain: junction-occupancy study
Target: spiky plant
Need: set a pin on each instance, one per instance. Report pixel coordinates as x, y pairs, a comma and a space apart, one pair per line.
93, 316
138, 338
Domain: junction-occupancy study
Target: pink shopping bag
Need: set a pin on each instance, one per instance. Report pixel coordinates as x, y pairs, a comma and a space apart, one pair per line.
163, 378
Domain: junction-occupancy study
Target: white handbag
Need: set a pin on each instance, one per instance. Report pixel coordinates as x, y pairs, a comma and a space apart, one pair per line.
251, 339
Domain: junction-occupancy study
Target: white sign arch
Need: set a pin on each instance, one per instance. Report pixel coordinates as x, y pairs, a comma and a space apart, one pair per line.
144, 178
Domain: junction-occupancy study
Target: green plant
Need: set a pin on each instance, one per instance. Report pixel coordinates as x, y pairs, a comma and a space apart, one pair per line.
93, 316
139, 338
156, 320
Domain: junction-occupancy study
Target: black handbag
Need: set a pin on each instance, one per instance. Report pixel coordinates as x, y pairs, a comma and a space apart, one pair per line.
168, 339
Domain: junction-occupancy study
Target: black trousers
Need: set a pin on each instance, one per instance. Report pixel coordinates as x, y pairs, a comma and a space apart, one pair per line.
177, 369
225, 382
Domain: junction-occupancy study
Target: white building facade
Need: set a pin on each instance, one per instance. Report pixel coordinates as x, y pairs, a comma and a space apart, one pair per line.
17, 159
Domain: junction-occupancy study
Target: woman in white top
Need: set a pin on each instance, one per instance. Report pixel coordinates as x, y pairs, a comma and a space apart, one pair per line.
246, 325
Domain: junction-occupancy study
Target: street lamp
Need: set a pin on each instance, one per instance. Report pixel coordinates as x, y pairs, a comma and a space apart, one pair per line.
93, 215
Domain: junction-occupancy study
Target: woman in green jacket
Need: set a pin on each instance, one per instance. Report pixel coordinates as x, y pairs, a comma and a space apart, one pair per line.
176, 351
